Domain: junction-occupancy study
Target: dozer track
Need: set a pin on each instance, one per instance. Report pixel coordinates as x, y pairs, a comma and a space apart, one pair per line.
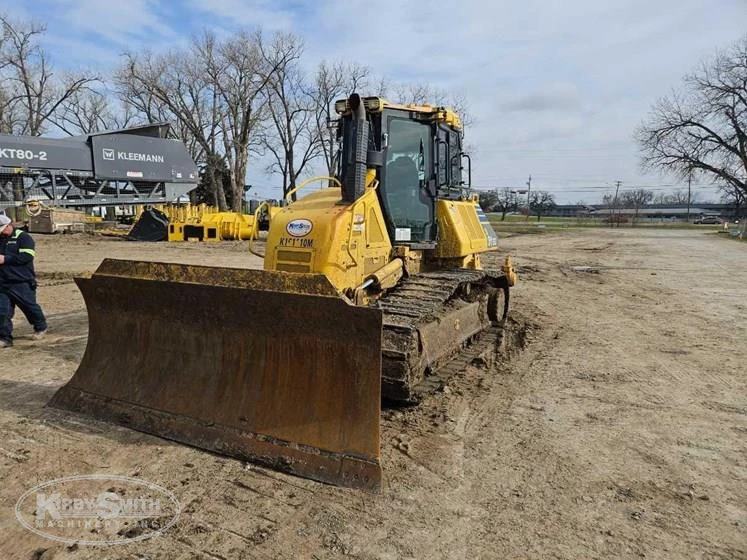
427, 321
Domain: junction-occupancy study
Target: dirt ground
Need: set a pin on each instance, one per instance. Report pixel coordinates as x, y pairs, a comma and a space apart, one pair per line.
620, 430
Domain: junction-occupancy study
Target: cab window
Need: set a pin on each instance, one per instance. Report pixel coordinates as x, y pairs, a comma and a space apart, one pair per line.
455, 161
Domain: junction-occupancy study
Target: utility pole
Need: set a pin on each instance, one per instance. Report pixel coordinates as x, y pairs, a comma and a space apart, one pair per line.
614, 202
689, 179
529, 188
529, 191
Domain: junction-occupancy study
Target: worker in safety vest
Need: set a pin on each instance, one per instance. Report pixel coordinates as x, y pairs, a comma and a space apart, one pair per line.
17, 282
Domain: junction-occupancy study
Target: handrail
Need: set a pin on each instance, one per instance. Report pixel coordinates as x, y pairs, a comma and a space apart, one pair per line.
373, 185
287, 199
311, 180
255, 229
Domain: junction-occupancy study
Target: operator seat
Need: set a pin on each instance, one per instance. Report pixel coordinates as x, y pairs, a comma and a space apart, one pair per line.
402, 185
406, 206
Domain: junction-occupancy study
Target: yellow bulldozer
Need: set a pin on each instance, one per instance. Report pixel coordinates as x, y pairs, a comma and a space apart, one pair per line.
370, 285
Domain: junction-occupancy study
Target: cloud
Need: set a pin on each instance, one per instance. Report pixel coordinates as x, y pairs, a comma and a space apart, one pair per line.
269, 15
553, 97
123, 24
93, 34
557, 88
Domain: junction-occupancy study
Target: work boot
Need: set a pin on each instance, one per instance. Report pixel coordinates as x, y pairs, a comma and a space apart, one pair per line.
38, 335
5, 344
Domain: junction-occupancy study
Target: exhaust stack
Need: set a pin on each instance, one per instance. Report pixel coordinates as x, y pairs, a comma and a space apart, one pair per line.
354, 182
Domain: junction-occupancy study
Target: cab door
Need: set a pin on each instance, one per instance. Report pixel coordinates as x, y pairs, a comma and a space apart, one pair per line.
406, 174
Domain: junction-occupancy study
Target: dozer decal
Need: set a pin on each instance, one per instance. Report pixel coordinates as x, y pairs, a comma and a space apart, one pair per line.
299, 227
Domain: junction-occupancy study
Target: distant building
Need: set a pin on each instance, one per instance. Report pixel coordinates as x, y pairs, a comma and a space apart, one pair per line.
571, 210
657, 214
652, 212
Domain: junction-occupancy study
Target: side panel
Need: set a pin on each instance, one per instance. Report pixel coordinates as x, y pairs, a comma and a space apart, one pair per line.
490, 234
463, 230
45, 153
128, 157
320, 234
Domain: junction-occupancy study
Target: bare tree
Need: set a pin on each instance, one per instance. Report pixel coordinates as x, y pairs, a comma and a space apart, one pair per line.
143, 107
142, 101
540, 203
424, 93
609, 201
487, 200
505, 202
661, 198
499, 200
241, 73
612, 202
31, 92
215, 90
583, 211
681, 196
735, 197
417, 94
668, 198
212, 91
704, 128
334, 81
637, 199
676, 197
10, 118
89, 110
178, 86
381, 86
294, 141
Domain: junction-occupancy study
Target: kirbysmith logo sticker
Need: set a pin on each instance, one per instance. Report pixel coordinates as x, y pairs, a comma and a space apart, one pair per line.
300, 227
97, 509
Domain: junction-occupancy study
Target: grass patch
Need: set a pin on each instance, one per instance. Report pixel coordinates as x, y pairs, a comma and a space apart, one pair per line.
522, 224
730, 235
524, 230
550, 220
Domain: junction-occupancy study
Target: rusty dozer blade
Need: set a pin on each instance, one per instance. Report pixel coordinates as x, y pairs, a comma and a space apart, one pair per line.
269, 367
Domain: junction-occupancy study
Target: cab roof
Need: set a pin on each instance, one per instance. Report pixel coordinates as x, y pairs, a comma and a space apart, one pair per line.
429, 112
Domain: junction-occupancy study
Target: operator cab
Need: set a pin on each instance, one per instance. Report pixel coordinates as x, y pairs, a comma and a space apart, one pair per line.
421, 161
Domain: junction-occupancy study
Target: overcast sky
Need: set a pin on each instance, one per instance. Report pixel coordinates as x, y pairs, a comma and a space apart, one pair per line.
556, 87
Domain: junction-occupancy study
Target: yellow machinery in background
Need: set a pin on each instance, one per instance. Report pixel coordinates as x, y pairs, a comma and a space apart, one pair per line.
370, 287
197, 222
215, 226
206, 223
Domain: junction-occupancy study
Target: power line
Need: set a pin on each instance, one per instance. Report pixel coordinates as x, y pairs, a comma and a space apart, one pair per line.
609, 185
541, 151
556, 188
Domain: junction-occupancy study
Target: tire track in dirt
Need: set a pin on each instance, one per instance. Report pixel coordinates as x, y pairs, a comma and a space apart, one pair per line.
603, 439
